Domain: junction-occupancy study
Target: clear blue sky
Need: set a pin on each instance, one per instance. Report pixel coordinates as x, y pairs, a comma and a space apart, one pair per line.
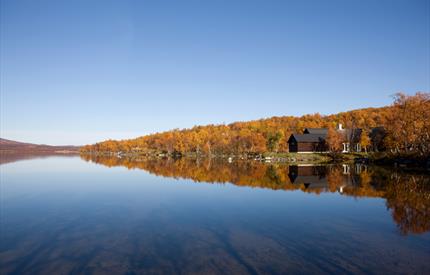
76, 72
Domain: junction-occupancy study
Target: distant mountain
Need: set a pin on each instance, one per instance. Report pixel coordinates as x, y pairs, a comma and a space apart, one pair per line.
11, 146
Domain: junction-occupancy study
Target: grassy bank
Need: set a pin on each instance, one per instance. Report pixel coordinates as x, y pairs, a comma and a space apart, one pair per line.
305, 158
381, 158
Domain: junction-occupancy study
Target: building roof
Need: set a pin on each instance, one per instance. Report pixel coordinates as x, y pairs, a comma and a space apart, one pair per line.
316, 131
307, 137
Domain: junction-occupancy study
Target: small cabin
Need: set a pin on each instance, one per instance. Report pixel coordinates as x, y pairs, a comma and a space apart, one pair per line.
307, 143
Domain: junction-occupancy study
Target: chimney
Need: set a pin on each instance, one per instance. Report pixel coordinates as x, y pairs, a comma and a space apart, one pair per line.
339, 126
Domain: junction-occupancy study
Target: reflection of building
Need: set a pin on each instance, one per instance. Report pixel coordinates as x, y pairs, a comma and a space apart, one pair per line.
309, 176
345, 169
326, 177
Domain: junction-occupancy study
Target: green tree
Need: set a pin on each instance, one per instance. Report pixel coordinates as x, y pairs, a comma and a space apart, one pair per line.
273, 141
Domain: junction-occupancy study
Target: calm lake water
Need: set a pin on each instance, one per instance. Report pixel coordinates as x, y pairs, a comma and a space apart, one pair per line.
62, 215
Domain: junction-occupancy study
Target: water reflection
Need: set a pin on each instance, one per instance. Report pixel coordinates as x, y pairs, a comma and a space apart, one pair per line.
407, 195
6, 157
68, 216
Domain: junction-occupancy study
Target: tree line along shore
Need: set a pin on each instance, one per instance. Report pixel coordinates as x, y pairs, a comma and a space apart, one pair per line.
406, 124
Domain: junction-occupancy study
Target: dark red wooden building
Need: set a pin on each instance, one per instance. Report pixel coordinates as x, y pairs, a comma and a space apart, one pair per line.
307, 143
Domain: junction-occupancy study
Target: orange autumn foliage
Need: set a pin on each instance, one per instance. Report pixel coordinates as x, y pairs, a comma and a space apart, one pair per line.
406, 121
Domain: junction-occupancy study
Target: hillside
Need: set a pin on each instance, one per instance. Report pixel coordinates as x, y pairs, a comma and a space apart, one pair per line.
11, 146
406, 121
270, 134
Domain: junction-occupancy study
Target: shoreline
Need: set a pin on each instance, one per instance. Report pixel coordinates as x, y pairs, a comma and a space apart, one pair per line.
380, 159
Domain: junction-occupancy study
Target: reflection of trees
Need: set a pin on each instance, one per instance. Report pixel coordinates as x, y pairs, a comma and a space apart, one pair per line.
408, 196
243, 173
335, 179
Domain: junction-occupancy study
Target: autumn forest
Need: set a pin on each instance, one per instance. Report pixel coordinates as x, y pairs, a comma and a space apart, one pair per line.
406, 121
